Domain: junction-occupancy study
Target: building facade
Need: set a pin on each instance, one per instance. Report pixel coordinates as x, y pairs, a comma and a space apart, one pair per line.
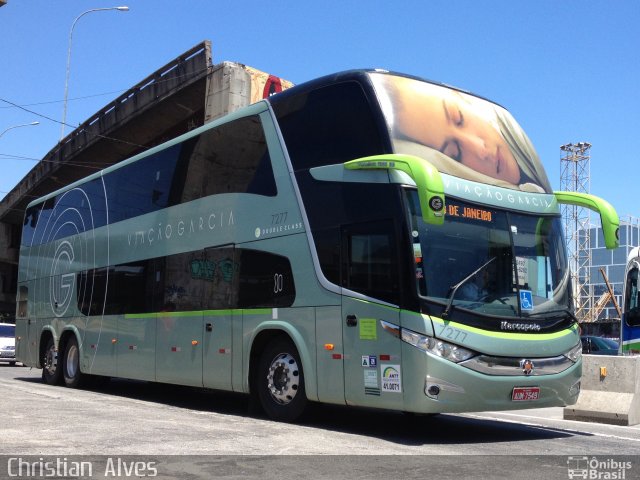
613, 262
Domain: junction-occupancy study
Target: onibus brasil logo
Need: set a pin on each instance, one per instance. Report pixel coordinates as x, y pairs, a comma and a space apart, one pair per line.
592, 468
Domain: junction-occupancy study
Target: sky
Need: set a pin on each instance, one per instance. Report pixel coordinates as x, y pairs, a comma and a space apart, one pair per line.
567, 70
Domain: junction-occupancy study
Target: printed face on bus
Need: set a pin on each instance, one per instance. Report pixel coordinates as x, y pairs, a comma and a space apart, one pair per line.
456, 125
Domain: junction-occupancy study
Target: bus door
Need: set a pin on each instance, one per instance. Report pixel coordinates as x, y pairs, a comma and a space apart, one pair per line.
26, 328
220, 270
180, 319
372, 364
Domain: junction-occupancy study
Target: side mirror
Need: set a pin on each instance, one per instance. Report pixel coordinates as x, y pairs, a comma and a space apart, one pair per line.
608, 215
426, 176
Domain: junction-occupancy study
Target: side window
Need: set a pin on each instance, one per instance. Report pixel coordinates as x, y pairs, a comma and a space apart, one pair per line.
266, 280
181, 286
327, 243
116, 290
632, 299
147, 185
232, 158
31, 217
349, 203
212, 279
327, 126
220, 270
371, 261
75, 211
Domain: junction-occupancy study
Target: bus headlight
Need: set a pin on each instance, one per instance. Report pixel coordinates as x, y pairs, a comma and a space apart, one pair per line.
575, 353
449, 351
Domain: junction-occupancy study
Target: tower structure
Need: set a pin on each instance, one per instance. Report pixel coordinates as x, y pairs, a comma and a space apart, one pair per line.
575, 161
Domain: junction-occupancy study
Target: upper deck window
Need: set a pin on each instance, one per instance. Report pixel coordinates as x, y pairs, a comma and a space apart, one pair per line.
72, 212
231, 158
460, 134
329, 125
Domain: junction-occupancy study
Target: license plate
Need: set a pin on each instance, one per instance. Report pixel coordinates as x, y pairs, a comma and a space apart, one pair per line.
525, 394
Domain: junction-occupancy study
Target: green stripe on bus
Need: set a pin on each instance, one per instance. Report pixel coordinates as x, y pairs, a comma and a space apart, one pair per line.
199, 313
630, 345
508, 335
485, 333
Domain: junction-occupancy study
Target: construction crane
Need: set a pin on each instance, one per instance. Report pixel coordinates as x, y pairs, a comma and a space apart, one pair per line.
604, 299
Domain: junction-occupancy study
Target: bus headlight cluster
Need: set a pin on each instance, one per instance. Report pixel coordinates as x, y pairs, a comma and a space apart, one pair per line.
575, 353
453, 353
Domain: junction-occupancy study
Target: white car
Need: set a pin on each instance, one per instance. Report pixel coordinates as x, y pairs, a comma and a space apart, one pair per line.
8, 343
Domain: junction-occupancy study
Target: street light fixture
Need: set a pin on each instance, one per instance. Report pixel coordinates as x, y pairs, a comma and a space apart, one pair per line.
66, 82
21, 125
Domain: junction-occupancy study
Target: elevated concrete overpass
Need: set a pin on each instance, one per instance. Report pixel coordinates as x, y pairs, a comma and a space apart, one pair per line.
180, 96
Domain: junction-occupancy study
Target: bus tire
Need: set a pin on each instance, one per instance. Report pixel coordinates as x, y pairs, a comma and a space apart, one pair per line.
73, 377
280, 381
51, 369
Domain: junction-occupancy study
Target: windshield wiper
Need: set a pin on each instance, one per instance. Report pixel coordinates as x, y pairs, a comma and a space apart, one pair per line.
454, 288
565, 311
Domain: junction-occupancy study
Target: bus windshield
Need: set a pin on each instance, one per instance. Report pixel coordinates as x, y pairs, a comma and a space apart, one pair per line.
491, 261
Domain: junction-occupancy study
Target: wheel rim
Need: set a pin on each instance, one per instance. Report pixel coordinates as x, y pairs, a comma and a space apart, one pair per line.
72, 361
283, 378
51, 360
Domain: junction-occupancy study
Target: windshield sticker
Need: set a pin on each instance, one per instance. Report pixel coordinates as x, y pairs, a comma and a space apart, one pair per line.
526, 300
391, 378
368, 330
522, 266
417, 251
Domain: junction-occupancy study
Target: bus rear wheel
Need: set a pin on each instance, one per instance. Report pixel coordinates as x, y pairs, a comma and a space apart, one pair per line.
280, 381
73, 377
51, 371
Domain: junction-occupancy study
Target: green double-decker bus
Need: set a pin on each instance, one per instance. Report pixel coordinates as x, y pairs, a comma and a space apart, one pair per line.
366, 238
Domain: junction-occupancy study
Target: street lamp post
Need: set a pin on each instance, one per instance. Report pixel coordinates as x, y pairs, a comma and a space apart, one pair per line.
21, 125
66, 82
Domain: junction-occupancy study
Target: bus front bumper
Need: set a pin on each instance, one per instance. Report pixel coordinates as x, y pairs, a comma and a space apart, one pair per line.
453, 387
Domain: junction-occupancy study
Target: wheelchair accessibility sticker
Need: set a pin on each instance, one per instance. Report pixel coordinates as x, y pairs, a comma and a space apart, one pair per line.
526, 300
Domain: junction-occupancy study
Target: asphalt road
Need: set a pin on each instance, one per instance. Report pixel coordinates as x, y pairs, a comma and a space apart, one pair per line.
189, 433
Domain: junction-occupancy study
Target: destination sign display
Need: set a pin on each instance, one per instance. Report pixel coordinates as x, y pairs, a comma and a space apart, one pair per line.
473, 213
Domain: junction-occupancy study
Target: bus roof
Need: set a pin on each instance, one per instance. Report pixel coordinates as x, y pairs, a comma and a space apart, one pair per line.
361, 76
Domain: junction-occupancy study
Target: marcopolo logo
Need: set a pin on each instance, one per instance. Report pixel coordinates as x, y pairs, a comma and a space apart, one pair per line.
593, 468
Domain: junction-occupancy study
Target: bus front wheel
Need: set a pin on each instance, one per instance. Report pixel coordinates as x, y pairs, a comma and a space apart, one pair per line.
280, 381
71, 364
51, 371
